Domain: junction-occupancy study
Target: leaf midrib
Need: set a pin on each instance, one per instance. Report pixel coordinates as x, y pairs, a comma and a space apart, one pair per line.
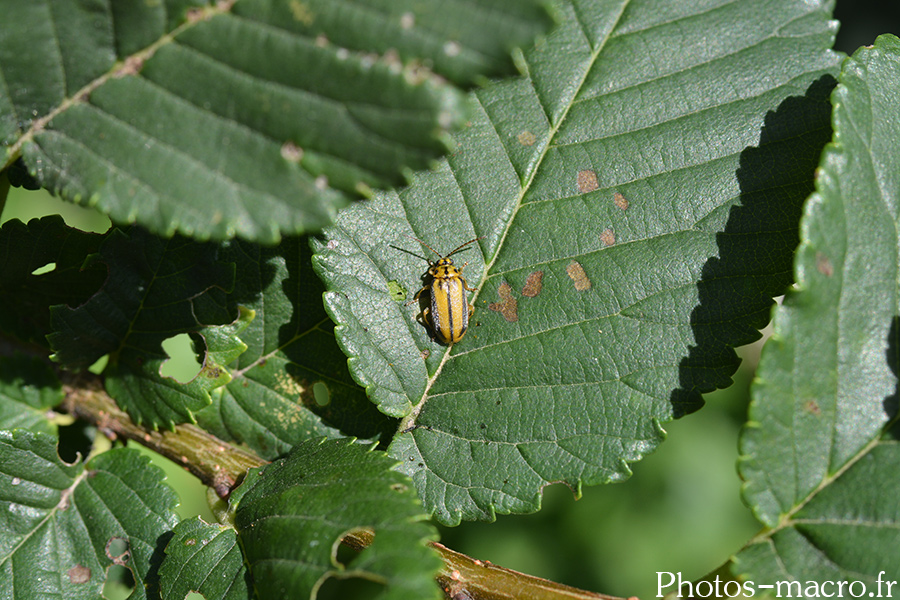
410, 420
64, 501
787, 521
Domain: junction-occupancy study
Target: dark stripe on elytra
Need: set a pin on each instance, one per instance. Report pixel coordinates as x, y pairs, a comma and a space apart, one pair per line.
464, 311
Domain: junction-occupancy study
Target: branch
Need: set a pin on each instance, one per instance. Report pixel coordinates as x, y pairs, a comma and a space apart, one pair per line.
214, 462
466, 577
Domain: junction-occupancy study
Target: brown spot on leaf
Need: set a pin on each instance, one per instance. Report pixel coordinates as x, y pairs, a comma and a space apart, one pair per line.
508, 305
291, 152
132, 66
587, 181
392, 59
608, 237
823, 265
79, 574
455, 589
194, 14
526, 138
301, 12
813, 407
620, 201
576, 272
533, 284
452, 48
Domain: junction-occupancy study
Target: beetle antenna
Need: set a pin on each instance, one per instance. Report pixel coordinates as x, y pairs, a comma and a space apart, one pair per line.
423, 243
464, 245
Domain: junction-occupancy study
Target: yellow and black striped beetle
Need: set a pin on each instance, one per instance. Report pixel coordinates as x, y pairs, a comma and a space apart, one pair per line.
448, 315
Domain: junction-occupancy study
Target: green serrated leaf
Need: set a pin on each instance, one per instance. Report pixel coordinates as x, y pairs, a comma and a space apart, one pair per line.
271, 403
204, 558
28, 389
27, 288
248, 118
462, 40
155, 289
819, 459
147, 395
291, 515
221, 346
651, 181
65, 525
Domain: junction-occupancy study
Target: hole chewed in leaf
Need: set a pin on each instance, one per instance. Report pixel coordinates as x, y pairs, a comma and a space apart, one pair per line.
117, 551
346, 548
182, 365
119, 582
321, 394
48, 268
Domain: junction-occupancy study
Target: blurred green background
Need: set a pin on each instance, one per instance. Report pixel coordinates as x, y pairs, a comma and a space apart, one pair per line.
680, 511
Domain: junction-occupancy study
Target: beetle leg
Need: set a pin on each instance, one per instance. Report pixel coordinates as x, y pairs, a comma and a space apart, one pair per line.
466, 285
416, 297
424, 318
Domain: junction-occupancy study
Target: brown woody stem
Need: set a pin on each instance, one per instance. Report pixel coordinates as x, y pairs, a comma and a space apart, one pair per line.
216, 463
